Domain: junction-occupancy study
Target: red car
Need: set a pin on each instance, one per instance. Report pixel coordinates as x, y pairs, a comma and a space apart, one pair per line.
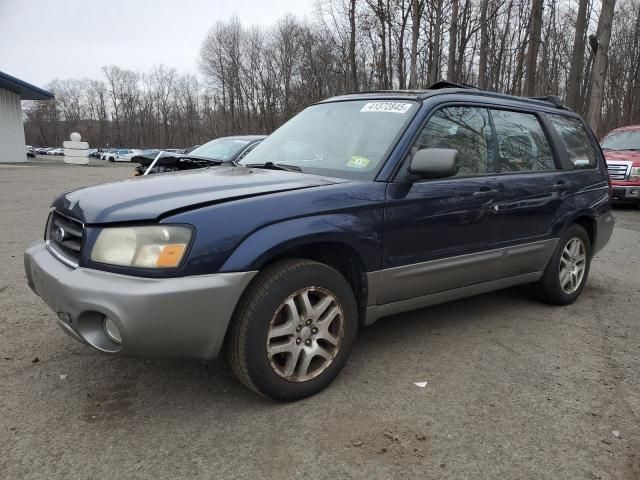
622, 152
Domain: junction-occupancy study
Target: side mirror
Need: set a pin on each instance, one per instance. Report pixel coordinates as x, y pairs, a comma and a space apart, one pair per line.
434, 163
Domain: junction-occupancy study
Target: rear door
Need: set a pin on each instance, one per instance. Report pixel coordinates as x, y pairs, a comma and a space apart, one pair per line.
535, 187
439, 234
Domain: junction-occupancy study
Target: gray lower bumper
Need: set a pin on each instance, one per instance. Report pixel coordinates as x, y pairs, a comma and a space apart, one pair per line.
626, 193
184, 316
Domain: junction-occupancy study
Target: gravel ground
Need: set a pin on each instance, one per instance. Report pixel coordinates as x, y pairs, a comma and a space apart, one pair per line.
515, 389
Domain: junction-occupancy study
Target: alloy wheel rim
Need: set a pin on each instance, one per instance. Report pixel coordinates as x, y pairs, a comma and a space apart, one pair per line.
305, 334
573, 264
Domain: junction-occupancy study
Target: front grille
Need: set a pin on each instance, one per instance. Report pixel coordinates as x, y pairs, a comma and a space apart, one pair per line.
618, 171
64, 238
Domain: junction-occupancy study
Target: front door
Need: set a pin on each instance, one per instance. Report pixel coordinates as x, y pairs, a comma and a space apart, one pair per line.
439, 234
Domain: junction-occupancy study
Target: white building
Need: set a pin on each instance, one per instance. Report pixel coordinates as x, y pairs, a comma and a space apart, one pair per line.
12, 91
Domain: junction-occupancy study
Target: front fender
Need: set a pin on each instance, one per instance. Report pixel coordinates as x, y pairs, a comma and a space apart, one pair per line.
363, 233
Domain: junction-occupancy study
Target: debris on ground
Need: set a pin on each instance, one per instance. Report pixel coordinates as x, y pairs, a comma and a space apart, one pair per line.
357, 443
392, 437
35, 360
617, 434
420, 384
63, 376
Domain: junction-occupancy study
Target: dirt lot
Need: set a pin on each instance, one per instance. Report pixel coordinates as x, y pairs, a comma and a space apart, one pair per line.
515, 389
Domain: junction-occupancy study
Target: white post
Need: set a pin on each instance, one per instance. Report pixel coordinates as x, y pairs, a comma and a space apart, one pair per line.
75, 151
146, 172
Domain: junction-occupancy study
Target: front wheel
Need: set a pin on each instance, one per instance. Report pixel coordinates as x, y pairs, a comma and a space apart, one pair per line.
567, 272
293, 330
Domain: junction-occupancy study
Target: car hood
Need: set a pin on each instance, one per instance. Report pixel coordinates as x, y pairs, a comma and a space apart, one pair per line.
623, 155
155, 196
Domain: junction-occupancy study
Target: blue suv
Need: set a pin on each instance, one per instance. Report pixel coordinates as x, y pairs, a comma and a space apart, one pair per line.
360, 207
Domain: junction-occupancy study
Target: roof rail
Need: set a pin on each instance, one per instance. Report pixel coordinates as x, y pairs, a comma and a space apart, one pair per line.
554, 99
446, 84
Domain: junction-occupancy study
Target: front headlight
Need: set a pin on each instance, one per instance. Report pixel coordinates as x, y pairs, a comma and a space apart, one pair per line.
161, 246
634, 176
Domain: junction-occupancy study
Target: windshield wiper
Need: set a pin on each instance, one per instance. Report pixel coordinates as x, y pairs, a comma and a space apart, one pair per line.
274, 166
188, 156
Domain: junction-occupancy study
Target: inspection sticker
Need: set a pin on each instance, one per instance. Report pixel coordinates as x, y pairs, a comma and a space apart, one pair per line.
386, 107
358, 162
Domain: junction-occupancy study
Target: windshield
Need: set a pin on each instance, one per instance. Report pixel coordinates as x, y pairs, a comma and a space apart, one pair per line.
221, 148
341, 139
625, 140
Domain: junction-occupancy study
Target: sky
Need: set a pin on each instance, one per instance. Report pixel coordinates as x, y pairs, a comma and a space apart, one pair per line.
41, 40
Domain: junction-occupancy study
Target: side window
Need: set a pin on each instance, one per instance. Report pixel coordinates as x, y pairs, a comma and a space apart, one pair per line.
466, 129
575, 139
521, 143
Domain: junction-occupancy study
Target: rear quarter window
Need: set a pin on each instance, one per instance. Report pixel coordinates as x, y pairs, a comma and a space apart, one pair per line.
575, 139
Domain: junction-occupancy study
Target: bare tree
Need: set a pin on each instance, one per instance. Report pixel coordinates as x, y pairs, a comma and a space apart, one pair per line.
417, 9
352, 45
453, 35
535, 29
577, 56
603, 37
484, 45
253, 78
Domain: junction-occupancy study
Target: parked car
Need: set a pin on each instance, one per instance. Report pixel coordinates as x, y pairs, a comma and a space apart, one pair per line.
190, 149
31, 153
622, 153
56, 151
103, 154
122, 155
218, 151
360, 207
126, 157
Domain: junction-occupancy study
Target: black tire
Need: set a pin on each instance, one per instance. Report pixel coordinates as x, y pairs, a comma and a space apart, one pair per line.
249, 332
549, 289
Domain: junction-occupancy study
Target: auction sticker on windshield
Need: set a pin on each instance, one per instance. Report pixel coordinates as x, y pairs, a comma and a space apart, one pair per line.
386, 107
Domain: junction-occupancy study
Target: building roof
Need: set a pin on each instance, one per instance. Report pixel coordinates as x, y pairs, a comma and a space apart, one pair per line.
22, 88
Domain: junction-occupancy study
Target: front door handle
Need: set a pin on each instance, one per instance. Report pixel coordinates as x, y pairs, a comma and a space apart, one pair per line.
486, 192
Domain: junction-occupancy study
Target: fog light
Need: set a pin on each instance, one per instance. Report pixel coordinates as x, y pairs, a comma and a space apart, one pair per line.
634, 192
111, 330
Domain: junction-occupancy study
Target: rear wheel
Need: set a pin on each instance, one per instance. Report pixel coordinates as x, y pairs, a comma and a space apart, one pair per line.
293, 330
567, 272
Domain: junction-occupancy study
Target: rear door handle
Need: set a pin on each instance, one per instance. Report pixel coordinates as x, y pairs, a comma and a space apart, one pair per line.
486, 192
560, 186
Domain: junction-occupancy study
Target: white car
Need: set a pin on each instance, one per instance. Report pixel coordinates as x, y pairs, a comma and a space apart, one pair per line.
122, 155
126, 157
56, 151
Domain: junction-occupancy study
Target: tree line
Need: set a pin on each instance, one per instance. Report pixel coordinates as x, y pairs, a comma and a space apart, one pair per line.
253, 78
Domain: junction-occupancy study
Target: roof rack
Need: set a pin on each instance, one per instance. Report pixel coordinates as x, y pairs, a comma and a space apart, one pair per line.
461, 88
412, 91
446, 84
551, 99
